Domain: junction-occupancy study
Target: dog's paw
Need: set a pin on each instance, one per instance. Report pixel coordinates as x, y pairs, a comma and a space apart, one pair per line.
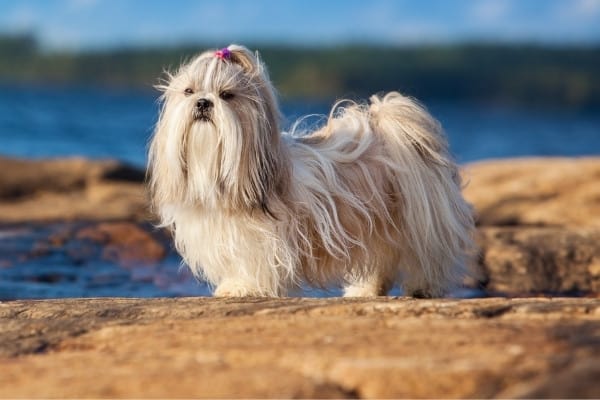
370, 286
234, 289
361, 291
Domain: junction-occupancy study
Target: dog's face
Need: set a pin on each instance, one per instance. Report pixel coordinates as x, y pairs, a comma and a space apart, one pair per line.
220, 85
217, 138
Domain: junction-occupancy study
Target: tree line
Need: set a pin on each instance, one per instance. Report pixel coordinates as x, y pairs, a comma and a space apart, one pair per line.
530, 75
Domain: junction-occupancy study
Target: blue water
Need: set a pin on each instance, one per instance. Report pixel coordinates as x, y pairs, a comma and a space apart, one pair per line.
32, 267
101, 123
38, 122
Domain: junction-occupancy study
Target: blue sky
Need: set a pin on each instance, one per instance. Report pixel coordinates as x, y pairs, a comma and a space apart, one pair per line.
77, 24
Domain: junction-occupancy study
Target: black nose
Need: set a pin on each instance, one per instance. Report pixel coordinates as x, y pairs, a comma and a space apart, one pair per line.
204, 104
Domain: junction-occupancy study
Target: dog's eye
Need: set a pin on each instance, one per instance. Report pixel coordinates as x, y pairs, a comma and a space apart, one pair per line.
188, 91
225, 95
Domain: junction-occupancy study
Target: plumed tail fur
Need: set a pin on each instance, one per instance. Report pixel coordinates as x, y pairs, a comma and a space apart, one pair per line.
435, 222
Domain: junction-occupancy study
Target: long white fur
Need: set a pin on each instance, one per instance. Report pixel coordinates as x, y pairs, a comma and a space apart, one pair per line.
370, 199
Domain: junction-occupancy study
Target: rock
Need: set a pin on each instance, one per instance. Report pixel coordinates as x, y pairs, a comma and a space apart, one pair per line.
539, 224
538, 219
535, 192
91, 259
318, 348
539, 232
70, 189
24, 178
125, 243
540, 260
515, 192
121, 242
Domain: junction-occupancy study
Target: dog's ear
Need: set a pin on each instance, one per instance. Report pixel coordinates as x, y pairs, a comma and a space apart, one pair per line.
243, 57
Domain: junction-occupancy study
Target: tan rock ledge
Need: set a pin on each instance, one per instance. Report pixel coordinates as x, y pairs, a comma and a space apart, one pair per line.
253, 348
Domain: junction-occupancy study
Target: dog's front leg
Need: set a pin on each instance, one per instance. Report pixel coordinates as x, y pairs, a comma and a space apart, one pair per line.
238, 287
251, 279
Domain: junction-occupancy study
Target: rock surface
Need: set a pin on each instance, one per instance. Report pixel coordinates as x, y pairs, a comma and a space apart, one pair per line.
121, 242
520, 261
324, 348
538, 230
514, 192
538, 219
70, 189
535, 192
539, 224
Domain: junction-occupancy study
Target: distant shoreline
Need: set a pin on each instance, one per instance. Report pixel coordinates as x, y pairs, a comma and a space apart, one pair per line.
529, 75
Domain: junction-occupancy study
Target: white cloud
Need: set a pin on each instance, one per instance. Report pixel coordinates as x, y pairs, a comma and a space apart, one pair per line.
490, 10
583, 9
418, 31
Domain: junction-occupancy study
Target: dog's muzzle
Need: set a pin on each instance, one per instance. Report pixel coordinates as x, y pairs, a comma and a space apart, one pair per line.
203, 109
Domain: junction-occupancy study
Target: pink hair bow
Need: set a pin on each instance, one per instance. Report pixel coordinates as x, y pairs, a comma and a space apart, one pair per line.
223, 54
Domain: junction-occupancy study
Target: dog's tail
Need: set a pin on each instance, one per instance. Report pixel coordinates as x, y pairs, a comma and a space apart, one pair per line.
435, 220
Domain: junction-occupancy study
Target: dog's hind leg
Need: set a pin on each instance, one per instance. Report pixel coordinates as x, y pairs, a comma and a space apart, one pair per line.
369, 286
377, 282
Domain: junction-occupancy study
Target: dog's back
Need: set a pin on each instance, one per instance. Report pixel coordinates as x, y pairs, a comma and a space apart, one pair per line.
381, 199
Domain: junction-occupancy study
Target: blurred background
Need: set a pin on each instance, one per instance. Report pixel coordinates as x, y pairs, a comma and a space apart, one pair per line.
505, 77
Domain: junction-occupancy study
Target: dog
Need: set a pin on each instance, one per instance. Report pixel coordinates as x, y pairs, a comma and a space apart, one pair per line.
369, 200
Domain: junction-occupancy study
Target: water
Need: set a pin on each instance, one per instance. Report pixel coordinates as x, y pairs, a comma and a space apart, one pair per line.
37, 122
53, 261
53, 121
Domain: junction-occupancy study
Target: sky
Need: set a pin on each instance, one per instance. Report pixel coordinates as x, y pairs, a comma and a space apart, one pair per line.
89, 24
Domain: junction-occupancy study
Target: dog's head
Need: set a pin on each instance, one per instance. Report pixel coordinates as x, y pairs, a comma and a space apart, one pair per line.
217, 139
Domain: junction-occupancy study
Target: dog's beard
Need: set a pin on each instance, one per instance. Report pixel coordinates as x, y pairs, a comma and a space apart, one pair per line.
223, 156
212, 150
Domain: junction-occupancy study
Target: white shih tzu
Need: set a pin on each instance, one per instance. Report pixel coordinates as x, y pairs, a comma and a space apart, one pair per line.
370, 199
